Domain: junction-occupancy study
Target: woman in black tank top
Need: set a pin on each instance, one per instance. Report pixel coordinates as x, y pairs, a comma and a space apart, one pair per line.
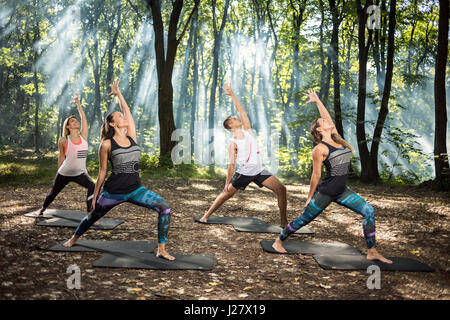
335, 153
118, 145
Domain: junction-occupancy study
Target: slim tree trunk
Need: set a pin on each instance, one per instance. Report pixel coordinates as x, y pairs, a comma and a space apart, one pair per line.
440, 140
361, 107
372, 173
165, 60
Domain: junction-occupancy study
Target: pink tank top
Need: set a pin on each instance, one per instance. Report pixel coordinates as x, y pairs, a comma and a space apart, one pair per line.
75, 162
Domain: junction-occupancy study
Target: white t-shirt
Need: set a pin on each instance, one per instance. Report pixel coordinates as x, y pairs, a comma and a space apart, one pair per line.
248, 156
75, 162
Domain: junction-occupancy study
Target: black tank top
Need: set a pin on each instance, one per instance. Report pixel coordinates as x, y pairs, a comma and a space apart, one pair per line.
125, 168
337, 164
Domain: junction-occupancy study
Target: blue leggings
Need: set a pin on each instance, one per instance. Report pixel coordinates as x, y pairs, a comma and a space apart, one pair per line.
141, 197
348, 199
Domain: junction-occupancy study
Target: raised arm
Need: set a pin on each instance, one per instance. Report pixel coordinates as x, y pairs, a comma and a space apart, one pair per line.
84, 126
239, 108
322, 110
115, 91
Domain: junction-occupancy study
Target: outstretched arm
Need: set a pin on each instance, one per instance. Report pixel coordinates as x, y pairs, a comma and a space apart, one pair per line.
239, 108
84, 126
312, 95
115, 91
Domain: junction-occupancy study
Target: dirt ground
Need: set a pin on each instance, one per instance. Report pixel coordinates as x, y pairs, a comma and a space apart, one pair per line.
410, 222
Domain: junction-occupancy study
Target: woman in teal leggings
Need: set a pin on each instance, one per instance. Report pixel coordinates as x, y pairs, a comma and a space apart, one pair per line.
118, 144
335, 153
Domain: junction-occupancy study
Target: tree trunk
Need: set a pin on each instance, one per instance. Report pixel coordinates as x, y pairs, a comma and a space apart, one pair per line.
440, 140
164, 68
372, 173
215, 69
362, 74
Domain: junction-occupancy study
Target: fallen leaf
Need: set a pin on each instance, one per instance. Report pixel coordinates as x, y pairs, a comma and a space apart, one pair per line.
248, 288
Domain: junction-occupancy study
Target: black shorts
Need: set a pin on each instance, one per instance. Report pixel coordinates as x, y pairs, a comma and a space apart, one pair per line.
240, 181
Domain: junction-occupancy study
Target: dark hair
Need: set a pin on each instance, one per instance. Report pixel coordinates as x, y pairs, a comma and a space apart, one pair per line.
65, 130
226, 123
107, 132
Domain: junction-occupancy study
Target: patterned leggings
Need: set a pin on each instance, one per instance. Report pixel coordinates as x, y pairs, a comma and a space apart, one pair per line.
348, 199
141, 197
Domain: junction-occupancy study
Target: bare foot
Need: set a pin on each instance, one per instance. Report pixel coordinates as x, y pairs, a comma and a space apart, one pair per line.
39, 214
164, 255
278, 246
70, 242
372, 254
204, 219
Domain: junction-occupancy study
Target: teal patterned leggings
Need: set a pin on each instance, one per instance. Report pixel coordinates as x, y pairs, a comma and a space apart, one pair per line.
348, 199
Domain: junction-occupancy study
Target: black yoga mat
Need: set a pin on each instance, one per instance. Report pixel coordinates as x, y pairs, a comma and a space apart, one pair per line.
235, 221
106, 246
71, 219
248, 224
360, 262
267, 228
141, 260
51, 213
306, 247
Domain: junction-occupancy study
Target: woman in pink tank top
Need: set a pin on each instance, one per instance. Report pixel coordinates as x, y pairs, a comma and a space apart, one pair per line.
73, 150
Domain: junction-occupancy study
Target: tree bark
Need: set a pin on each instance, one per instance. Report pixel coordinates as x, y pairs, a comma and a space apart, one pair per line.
372, 173
164, 68
362, 74
440, 133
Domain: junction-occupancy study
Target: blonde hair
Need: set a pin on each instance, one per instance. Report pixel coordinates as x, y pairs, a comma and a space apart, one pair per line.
317, 137
65, 130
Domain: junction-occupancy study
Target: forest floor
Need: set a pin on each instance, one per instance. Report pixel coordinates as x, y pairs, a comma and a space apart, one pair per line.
411, 222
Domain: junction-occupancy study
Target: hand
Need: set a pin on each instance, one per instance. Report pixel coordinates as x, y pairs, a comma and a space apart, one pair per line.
94, 200
228, 90
76, 99
225, 189
306, 204
114, 88
312, 95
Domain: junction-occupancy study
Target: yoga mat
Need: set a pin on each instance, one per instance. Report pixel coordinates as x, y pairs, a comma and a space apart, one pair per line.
240, 221
71, 219
106, 246
360, 262
268, 228
140, 260
50, 213
317, 248
246, 224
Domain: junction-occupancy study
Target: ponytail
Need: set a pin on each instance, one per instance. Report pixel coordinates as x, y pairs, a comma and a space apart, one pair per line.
338, 139
106, 131
317, 137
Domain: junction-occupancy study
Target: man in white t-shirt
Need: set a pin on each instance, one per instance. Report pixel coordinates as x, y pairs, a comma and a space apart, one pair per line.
243, 150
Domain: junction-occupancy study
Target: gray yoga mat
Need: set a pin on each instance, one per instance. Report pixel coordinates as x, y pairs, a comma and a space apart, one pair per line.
106, 246
235, 221
51, 213
71, 219
360, 262
141, 260
249, 224
306, 247
267, 228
